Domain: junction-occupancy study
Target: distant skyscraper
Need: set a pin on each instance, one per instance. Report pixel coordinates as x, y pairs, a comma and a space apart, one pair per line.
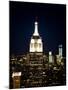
60, 54
36, 44
60, 50
50, 57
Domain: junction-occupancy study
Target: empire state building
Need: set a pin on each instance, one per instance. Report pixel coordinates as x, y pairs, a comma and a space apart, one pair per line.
36, 44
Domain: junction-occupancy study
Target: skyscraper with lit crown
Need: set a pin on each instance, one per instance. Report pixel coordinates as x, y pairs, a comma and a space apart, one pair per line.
36, 44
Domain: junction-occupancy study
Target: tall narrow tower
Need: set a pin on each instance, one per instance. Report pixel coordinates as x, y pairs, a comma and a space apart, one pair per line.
36, 44
50, 57
60, 50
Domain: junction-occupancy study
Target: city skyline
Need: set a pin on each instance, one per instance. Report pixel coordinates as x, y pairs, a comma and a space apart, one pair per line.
51, 24
37, 45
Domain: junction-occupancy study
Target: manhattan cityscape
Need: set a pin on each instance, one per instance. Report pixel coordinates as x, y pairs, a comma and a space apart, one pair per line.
37, 55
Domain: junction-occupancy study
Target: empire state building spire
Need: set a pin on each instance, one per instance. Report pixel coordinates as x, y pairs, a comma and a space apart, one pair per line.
36, 44
36, 29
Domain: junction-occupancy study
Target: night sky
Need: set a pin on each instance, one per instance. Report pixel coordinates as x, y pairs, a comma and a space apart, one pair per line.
51, 26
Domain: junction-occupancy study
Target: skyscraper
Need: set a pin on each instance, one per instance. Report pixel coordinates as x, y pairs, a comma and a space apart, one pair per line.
60, 50
36, 44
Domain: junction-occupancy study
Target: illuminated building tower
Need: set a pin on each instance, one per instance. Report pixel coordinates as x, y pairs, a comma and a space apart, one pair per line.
50, 57
59, 56
36, 44
60, 50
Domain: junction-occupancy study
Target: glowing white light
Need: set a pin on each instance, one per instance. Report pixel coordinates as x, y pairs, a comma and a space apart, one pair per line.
50, 57
50, 53
38, 47
36, 29
36, 23
16, 74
